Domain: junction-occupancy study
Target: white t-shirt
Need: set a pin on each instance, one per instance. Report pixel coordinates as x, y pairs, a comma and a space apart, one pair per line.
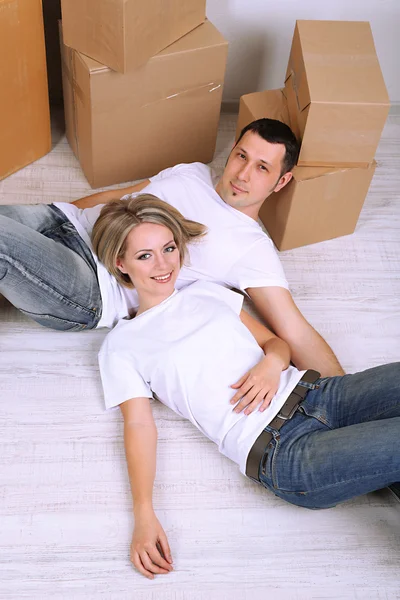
235, 253
188, 351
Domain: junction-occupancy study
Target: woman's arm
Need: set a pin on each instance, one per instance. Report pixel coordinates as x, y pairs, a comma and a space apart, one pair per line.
150, 552
260, 384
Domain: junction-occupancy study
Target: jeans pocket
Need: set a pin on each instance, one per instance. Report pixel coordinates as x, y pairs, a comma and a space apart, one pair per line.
55, 322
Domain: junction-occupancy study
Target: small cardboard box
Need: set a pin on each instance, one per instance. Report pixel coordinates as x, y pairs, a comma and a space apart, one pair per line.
320, 203
124, 34
336, 94
24, 102
130, 126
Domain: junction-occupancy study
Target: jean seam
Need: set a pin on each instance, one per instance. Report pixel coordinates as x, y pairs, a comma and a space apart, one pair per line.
46, 286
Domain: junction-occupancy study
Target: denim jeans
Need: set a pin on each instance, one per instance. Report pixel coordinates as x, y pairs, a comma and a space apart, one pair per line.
343, 441
46, 269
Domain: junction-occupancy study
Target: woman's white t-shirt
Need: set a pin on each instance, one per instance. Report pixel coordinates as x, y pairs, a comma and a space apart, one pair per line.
188, 351
235, 253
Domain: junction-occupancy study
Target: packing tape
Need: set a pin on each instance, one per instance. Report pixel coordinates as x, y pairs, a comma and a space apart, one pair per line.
208, 87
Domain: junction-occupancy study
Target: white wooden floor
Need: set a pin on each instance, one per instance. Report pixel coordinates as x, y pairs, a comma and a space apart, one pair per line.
64, 500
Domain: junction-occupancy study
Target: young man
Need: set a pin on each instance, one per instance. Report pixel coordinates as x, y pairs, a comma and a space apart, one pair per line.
50, 273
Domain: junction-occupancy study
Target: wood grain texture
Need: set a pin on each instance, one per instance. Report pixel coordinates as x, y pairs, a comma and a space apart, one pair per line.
64, 496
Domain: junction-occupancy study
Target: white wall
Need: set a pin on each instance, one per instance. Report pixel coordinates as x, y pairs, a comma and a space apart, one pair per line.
260, 33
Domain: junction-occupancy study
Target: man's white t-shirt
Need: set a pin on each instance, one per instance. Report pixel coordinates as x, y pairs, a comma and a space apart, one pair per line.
235, 253
188, 351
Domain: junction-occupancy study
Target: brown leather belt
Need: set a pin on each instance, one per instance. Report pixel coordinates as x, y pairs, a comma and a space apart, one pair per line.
287, 411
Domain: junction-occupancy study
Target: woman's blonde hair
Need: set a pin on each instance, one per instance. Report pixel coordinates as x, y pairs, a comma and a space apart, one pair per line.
119, 217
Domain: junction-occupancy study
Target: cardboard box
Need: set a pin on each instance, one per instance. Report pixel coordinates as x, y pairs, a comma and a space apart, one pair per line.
24, 103
124, 34
319, 203
127, 127
336, 94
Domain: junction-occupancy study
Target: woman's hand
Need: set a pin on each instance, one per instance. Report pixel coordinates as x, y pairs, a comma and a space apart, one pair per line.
259, 385
150, 552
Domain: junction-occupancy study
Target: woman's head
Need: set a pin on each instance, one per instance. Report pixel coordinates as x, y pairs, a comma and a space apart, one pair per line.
125, 228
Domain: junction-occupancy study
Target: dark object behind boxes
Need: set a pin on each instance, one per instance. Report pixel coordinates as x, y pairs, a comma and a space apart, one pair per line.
319, 203
336, 94
124, 34
130, 126
24, 104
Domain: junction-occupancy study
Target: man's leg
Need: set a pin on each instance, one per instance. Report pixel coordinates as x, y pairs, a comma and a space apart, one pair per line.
46, 269
343, 441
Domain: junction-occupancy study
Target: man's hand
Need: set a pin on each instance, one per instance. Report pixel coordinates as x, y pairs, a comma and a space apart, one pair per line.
150, 552
259, 385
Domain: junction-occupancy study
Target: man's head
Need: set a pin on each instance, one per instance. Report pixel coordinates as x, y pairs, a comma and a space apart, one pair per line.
259, 164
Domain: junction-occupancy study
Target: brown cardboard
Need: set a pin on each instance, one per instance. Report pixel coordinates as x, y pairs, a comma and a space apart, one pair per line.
124, 34
270, 103
336, 94
24, 104
319, 203
124, 127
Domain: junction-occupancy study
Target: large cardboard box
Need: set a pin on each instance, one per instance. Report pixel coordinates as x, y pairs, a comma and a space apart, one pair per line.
131, 126
124, 34
319, 203
336, 94
24, 104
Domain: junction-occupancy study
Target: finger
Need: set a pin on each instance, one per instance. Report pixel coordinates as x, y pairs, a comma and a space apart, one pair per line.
166, 550
148, 558
256, 402
245, 400
135, 558
240, 394
240, 382
158, 559
267, 400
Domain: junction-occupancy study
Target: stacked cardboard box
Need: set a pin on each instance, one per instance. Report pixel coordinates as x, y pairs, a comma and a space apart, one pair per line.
24, 104
154, 98
335, 101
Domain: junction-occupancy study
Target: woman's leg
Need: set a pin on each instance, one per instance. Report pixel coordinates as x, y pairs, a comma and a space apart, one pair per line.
343, 442
45, 270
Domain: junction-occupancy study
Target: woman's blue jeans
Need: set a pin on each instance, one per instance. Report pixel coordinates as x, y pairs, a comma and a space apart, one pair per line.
46, 269
343, 441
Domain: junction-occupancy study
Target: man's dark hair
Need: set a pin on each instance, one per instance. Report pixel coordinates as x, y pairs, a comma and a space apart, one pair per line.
276, 132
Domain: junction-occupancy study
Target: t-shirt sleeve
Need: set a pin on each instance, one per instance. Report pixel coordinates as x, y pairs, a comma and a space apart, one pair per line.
259, 267
121, 381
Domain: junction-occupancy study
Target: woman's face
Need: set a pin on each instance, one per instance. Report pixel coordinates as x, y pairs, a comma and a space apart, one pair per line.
152, 261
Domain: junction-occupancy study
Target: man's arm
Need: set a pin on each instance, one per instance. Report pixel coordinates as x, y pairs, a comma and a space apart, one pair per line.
109, 195
308, 349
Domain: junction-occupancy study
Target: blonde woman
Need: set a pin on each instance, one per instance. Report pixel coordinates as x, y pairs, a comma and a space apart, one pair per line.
314, 442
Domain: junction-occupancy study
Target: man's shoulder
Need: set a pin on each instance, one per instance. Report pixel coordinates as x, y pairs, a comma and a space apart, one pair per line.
195, 170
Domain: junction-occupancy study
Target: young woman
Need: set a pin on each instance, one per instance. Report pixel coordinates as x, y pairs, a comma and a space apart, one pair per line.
314, 442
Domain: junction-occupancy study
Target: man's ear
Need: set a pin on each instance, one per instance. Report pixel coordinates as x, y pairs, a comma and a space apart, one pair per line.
284, 180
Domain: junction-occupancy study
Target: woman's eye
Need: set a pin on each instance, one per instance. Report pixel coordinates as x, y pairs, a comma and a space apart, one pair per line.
144, 256
170, 249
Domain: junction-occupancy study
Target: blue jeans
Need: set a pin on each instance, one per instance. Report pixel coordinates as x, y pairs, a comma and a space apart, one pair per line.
46, 269
343, 441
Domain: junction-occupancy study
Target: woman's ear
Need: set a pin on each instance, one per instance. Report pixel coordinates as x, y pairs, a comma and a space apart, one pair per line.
120, 265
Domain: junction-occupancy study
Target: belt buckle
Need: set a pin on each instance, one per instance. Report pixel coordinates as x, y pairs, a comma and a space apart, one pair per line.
285, 416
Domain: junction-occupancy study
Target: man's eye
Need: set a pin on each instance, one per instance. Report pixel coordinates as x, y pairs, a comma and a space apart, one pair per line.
263, 168
144, 256
170, 249
241, 155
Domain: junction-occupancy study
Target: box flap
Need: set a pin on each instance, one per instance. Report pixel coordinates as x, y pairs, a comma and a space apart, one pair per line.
335, 61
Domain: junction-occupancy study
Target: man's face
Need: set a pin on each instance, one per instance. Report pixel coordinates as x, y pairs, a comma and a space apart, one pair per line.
252, 173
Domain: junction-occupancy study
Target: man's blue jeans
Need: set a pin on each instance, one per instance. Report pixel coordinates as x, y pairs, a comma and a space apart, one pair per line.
46, 269
343, 441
